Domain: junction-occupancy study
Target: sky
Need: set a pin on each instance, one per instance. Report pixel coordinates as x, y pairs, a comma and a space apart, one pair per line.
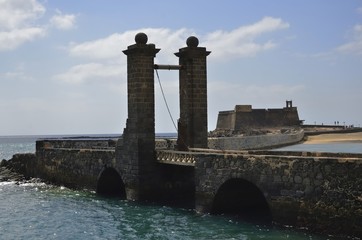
62, 70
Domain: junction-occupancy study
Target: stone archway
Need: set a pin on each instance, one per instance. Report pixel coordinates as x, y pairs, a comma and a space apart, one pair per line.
110, 184
241, 198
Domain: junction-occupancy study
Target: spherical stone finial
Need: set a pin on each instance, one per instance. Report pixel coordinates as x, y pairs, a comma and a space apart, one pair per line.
192, 41
141, 38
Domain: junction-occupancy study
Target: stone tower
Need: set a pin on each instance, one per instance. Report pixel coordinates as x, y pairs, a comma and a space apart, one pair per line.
192, 125
136, 149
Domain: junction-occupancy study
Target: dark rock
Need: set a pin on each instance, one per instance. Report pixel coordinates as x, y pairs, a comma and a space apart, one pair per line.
7, 174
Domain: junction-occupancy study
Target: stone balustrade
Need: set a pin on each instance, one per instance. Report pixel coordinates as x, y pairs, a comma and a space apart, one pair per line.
175, 157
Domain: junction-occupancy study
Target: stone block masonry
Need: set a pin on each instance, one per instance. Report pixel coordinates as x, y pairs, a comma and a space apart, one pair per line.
192, 124
244, 117
256, 142
318, 191
135, 150
323, 194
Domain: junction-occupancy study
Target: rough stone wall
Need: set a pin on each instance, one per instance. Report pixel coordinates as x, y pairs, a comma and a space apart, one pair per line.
225, 120
255, 142
77, 144
320, 193
166, 144
78, 168
239, 118
22, 163
135, 150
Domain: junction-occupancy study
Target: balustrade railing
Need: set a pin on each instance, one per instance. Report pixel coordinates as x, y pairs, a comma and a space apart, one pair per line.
175, 157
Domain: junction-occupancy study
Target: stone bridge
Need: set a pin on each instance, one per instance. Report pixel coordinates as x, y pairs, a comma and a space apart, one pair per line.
322, 192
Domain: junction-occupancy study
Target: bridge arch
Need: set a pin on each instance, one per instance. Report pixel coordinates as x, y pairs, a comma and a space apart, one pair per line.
242, 199
111, 184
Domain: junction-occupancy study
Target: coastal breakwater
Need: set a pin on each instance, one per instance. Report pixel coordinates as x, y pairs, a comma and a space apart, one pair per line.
256, 142
318, 191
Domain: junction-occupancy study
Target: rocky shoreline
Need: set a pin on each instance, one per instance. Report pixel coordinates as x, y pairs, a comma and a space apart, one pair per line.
14, 169
7, 175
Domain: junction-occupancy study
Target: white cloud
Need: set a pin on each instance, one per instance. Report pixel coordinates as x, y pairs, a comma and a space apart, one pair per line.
90, 72
10, 40
107, 51
239, 42
355, 45
63, 21
242, 42
112, 46
17, 22
18, 13
107, 59
104, 48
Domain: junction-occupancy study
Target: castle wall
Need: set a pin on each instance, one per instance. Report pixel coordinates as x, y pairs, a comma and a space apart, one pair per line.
255, 142
225, 120
245, 117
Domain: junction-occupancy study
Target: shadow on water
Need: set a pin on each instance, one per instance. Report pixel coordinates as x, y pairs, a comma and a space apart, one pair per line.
242, 200
110, 184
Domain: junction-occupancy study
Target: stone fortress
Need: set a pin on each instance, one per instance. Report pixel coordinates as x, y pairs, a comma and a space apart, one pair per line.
246, 128
245, 116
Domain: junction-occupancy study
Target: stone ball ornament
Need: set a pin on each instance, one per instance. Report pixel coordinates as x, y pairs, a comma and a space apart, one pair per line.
141, 38
192, 41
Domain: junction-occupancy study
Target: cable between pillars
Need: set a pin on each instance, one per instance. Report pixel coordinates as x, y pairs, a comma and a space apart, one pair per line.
164, 99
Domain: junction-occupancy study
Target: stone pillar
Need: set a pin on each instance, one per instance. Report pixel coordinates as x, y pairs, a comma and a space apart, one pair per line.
136, 149
192, 125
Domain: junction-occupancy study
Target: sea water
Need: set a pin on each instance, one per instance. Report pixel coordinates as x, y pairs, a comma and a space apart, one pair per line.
36, 210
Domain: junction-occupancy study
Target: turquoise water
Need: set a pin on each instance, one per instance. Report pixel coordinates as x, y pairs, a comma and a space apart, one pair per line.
41, 211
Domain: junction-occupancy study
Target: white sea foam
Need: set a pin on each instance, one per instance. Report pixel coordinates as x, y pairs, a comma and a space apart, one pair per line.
7, 183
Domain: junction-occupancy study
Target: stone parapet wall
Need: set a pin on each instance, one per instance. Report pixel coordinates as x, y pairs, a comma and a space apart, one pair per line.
222, 143
322, 194
255, 142
319, 191
76, 144
106, 144
77, 168
166, 143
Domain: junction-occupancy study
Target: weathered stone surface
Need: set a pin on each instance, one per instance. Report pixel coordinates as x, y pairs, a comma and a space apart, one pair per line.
318, 200
255, 142
7, 175
135, 150
298, 190
192, 124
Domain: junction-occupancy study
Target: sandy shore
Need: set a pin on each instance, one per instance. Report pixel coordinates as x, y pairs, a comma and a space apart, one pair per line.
335, 137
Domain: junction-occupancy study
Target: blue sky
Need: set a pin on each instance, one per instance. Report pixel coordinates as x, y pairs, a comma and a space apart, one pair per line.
62, 70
